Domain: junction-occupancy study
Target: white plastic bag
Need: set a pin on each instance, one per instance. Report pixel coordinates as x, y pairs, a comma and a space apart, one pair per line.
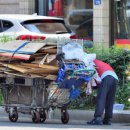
73, 50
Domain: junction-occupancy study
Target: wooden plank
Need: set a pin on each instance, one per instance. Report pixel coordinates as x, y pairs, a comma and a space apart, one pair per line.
40, 66
50, 58
44, 58
36, 60
51, 77
24, 75
15, 67
35, 76
30, 65
50, 51
38, 75
38, 55
15, 56
17, 74
2, 68
2, 59
51, 43
41, 71
48, 47
20, 46
53, 63
25, 67
49, 67
38, 69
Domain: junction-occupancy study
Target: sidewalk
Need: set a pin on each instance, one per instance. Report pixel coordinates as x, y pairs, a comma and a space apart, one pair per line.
120, 116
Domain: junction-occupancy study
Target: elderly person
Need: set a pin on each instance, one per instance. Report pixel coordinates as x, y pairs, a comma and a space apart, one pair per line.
105, 95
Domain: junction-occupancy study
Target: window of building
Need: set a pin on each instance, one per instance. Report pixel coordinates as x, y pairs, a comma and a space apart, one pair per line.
122, 19
78, 15
122, 23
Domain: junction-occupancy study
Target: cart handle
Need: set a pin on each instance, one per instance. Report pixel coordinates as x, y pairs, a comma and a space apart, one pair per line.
92, 72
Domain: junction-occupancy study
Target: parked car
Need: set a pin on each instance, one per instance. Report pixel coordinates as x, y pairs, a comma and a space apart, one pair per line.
31, 27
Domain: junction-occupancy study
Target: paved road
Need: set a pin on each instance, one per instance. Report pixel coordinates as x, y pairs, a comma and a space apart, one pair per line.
24, 123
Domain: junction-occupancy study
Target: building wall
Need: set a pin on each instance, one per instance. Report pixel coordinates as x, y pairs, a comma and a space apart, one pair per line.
17, 6
101, 20
101, 23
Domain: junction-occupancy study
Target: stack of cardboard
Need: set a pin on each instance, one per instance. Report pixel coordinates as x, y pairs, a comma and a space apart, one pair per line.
28, 59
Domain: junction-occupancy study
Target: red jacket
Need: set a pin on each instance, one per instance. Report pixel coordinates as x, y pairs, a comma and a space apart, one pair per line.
102, 67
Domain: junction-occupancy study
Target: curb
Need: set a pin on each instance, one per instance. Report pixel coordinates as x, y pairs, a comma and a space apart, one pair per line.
121, 116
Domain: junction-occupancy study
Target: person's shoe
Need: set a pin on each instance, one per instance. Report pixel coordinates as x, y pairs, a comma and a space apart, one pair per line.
107, 122
95, 121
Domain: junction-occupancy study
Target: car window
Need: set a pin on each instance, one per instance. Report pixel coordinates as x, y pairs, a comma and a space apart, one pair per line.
6, 25
46, 26
1, 29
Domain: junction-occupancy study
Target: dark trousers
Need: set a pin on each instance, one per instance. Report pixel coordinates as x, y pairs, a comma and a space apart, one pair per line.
105, 97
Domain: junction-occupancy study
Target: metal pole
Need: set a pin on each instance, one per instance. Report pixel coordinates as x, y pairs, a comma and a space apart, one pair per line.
36, 6
111, 23
42, 7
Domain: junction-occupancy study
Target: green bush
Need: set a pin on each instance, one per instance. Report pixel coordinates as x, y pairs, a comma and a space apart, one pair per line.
119, 59
84, 102
122, 95
6, 38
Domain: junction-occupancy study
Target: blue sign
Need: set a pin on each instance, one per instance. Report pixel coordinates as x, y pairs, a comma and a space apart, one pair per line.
97, 2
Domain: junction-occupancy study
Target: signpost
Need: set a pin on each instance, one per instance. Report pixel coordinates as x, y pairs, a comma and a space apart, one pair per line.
97, 2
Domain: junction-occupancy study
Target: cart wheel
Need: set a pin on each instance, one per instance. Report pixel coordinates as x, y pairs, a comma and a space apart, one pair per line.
13, 117
36, 117
42, 117
64, 116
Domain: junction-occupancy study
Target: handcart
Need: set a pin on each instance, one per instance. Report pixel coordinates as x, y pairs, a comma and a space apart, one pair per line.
36, 96
67, 86
24, 95
71, 75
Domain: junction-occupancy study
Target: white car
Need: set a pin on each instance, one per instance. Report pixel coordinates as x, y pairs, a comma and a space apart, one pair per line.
31, 27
